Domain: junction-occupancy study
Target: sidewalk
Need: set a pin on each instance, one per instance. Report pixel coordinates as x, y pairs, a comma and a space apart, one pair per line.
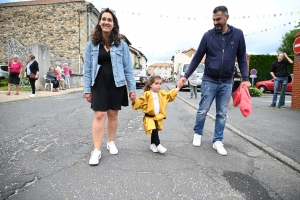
39, 94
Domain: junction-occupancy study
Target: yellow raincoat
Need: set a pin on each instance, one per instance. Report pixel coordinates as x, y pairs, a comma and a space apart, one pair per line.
146, 103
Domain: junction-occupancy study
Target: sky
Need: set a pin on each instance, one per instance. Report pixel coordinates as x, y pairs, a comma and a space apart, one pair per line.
160, 28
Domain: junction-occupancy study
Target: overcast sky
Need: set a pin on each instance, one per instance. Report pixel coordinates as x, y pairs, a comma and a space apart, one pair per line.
158, 28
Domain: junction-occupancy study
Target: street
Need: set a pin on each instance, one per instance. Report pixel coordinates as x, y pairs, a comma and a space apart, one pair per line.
46, 145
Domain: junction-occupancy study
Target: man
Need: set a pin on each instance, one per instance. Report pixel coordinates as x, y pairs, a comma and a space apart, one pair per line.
221, 45
280, 76
193, 84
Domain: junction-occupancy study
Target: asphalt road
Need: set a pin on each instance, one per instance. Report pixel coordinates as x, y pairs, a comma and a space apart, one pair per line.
277, 128
46, 143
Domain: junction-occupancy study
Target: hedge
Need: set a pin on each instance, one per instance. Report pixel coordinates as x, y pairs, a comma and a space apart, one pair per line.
262, 64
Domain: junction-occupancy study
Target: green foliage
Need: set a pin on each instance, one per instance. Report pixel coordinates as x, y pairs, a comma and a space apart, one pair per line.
4, 82
262, 64
287, 42
254, 92
298, 26
135, 64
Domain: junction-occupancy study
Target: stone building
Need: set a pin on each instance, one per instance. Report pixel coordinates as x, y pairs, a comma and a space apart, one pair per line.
63, 26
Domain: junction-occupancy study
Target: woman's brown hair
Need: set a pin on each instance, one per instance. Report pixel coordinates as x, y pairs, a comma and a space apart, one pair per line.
97, 37
150, 82
32, 57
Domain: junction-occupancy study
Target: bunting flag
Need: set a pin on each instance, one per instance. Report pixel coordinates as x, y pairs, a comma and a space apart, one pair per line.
189, 18
272, 28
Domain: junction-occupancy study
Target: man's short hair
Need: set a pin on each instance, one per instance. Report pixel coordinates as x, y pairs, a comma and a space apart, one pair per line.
223, 9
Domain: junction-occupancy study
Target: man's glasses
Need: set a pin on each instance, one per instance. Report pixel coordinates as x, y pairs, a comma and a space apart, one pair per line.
104, 9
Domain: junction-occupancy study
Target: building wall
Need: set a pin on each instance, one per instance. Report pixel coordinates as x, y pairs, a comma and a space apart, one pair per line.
58, 26
296, 81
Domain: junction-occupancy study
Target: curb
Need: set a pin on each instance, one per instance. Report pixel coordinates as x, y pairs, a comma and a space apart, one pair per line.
264, 147
43, 96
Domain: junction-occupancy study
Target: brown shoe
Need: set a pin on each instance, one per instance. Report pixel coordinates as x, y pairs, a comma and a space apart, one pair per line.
17, 93
7, 93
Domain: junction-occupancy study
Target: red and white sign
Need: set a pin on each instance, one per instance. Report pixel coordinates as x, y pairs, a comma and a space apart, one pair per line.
296, 45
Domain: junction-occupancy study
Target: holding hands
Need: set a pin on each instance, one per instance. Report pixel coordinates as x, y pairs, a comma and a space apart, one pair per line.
132, 96
180, 83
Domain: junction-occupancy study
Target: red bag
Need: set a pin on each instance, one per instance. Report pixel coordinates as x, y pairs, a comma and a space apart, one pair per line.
242, 97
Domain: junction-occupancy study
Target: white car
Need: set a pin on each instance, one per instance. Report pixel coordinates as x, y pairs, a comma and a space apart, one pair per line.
3, 71
183, 68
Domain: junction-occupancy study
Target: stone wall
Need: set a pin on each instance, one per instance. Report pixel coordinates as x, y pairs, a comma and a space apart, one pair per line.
63, 27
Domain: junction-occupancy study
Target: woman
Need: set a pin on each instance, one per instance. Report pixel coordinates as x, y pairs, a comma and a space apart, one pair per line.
14, 67
66, 69
32, 72
51, 75
107, 68
58, 74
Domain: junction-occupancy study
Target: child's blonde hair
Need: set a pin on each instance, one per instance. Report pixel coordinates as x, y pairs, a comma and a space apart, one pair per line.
150, 82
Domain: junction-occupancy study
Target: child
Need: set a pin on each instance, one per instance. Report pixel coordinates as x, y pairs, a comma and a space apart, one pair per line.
153, 103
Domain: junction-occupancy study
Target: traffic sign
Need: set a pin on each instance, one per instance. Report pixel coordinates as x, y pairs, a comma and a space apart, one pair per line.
253, 76
253, 72
296, 45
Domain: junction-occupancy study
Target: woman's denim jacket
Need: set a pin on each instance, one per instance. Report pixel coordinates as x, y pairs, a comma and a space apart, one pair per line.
121, 65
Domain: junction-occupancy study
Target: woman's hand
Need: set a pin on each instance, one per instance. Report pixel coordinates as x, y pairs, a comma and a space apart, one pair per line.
88, 97
132, 96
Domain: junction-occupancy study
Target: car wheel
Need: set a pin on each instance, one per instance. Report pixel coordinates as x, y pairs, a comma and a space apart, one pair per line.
262, 88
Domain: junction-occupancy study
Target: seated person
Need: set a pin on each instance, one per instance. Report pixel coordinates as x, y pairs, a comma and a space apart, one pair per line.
62, 82
50, 75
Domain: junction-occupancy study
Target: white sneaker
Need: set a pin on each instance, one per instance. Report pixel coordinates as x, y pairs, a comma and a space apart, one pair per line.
32, 95
112, 148
161, 149
153, 148
197, 140
218, 145
95, 157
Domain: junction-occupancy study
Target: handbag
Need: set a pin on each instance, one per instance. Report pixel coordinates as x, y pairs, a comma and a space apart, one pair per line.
32, 76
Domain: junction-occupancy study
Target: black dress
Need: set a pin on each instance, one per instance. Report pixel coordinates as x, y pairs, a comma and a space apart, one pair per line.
105, 94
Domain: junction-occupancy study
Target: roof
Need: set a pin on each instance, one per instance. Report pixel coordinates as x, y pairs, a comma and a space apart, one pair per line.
190, 49
122, 36
38, 2
161, 65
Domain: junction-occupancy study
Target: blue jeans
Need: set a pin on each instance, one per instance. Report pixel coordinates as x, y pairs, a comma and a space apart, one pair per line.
67, 79
279, 81
220, 92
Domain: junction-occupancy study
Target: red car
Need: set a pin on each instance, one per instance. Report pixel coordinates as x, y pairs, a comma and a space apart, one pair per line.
269, 86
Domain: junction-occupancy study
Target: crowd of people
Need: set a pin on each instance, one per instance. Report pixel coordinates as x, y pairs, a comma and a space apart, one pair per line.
59, 76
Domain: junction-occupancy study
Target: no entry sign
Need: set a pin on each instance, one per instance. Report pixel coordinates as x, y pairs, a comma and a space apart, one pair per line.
296, 45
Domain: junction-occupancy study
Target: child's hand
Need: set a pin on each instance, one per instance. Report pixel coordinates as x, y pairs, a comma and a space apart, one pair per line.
177, 89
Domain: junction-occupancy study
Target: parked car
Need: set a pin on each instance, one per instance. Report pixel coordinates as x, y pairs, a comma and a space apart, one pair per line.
183, 68
3, 71
140, 76
268, 85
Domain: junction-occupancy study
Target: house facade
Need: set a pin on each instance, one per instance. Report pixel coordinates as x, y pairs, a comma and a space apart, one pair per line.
184, 57
63, 26
164, 70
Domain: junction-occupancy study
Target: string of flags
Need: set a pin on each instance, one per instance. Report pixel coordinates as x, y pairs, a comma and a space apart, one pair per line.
194, 18
272, 28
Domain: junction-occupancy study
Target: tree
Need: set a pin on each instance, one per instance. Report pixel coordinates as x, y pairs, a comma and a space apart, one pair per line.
287, 42
298, 26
